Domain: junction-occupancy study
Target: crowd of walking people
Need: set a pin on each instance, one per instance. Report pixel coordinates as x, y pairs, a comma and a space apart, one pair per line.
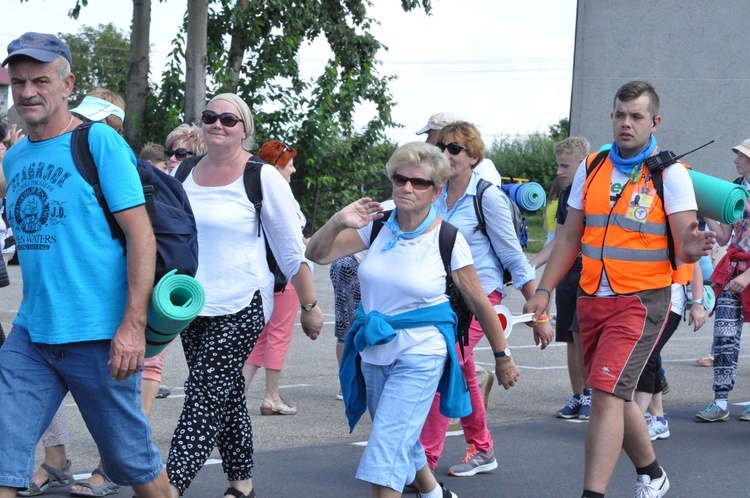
416, 280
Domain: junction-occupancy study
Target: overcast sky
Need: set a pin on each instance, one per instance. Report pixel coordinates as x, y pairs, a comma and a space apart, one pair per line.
504, 65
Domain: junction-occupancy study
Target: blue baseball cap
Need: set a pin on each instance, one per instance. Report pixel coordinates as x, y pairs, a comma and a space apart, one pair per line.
38, 46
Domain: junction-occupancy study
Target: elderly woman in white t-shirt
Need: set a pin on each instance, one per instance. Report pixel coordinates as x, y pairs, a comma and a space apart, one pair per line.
239, 295
405, 328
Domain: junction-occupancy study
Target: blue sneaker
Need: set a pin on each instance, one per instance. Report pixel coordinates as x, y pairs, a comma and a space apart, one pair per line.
584, 412
572, 409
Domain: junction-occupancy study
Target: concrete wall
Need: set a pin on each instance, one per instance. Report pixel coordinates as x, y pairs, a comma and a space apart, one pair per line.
696, 55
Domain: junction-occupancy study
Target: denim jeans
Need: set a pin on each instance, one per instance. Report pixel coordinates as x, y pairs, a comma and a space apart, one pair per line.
34, 379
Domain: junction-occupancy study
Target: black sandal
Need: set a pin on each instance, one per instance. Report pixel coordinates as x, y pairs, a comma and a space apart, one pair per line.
238, 494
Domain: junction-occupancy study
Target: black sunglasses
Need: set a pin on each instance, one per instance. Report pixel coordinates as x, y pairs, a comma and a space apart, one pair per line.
181, 154
454, 148
226, 118
416, 183
285, 149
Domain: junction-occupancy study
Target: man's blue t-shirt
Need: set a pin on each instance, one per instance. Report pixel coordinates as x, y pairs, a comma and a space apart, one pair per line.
74, 272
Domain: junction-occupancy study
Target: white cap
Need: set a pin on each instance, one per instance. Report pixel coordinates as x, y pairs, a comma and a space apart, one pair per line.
439, 121
96, 109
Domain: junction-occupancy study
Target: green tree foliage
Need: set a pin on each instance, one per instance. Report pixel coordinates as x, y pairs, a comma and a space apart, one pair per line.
100, 59
560, 130
316, 115
531, 157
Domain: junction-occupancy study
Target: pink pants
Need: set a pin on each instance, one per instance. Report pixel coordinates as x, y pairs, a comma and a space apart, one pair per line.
273, 343
474, 424
154, 366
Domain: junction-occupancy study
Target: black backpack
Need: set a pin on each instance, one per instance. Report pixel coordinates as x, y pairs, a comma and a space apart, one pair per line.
519, 221
446, 241
254, 191
166, 203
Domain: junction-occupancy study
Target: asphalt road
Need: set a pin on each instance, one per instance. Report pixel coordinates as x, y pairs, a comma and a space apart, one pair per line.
313, 454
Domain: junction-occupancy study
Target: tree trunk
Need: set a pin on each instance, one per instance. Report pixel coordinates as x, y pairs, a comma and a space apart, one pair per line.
237, 46
196, 59
138, 72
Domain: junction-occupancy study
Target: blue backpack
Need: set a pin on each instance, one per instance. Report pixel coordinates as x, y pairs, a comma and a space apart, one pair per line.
166, 203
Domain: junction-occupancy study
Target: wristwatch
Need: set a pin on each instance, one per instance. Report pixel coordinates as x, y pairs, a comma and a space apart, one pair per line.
505, 353
309, 307
697, 301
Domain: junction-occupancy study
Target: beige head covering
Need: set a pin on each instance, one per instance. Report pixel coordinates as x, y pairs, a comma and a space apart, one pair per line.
245, 114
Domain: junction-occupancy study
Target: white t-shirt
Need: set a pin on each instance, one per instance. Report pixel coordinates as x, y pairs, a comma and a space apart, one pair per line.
678, 196
487, 170
232, 258
407, 277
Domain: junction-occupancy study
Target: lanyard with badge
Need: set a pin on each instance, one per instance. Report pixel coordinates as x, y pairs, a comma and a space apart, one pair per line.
642, 198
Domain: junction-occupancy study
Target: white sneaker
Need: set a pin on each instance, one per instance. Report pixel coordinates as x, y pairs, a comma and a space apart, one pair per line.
658, 429
646, 488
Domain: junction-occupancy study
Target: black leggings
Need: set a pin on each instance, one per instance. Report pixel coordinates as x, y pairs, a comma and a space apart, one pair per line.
647, 382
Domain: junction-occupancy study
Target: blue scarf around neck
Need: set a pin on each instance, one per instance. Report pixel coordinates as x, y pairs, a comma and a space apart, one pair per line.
626, 166
392, 224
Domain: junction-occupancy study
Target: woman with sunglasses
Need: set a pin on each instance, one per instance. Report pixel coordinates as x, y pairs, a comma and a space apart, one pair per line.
270, 350
462, 145
239, 295
184, 141
404, 333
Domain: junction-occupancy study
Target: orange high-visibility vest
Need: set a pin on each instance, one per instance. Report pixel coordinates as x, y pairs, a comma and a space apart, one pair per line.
683, 274
633, 253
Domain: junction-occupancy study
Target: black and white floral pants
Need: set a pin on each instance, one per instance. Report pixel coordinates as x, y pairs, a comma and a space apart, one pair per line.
215, 410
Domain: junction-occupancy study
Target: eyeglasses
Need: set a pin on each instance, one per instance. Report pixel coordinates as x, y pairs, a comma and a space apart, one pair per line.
180, 154
454, 148
226, 118
416, 183
285, 149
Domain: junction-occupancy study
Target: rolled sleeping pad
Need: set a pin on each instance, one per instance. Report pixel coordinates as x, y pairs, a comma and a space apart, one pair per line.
175, 302
718, 199
528, 197
709, 298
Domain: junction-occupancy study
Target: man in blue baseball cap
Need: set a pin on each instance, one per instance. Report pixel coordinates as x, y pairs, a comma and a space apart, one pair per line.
81, 324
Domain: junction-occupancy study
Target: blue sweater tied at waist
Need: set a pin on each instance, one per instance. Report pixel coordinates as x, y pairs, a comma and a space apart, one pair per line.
373, 329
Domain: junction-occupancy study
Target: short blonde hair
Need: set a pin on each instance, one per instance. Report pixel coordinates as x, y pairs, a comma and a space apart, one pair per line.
424, 155
191, 135
573, 146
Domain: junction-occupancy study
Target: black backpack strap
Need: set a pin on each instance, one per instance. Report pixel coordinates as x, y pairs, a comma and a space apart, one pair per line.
446, 241
253, 186
599, 159
482, 185
145, 172
657, 175
377, 225
186, 166
84, 161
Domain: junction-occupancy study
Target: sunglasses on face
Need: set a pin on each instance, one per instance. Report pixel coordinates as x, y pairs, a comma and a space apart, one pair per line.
454, 148
416, 183
180, 154
225, 118
285, 149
